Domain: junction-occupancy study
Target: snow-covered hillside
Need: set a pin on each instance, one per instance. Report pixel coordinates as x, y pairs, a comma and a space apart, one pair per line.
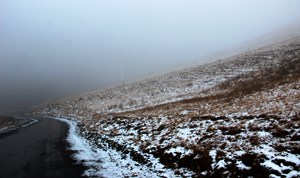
233, 117
195, 82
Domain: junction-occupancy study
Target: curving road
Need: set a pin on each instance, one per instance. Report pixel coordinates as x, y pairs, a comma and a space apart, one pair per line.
39, 150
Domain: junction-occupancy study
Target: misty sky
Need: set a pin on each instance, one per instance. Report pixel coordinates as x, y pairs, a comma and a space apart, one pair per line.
53, 45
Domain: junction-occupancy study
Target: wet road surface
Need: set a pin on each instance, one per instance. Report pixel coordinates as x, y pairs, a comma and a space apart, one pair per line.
39, 150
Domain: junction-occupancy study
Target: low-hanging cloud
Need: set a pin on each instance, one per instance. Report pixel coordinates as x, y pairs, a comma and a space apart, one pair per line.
61, 46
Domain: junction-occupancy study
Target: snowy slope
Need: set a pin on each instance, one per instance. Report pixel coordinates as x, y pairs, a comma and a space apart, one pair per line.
233, 117
190, 83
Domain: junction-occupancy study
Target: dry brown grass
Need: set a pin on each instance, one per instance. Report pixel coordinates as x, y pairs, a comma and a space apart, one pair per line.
287, 71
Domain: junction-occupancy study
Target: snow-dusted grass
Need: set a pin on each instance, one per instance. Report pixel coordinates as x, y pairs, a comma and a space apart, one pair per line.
237, 117
201, 81
241, 144
107, 162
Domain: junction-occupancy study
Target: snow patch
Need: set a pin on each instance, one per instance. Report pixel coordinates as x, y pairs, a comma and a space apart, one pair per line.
109, 162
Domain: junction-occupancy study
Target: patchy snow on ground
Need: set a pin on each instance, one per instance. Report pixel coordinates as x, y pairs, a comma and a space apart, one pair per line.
197, 122
107, 162
243, 144
194, 82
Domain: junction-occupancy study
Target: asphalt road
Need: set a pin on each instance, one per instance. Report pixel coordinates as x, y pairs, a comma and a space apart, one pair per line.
38, 151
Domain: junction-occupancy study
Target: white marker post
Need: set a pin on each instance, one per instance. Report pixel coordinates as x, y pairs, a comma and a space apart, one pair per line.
122, 73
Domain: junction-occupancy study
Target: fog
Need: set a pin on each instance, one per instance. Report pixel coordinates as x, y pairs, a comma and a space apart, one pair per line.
56, 48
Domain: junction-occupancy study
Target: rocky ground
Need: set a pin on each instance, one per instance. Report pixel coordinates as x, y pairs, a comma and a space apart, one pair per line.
237, 117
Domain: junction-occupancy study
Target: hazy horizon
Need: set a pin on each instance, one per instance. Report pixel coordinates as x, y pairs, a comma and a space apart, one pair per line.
55, 48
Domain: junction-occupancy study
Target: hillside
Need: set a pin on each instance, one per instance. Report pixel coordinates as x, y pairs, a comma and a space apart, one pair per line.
235, 117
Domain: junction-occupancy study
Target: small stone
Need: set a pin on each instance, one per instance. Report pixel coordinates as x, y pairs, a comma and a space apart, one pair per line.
176, 171
135, 174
